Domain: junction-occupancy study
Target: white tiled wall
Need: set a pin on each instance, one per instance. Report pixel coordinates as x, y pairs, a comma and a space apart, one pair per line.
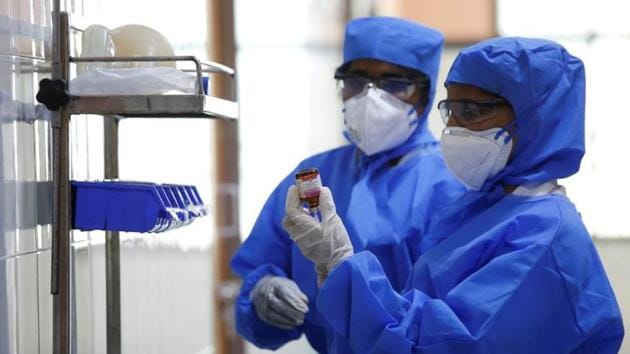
25, 196
166, 283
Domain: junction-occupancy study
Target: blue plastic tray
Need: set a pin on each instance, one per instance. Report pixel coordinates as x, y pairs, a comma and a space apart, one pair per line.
134, 206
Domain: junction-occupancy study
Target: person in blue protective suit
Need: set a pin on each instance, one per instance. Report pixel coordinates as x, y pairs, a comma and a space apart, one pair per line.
392, 174
509, 267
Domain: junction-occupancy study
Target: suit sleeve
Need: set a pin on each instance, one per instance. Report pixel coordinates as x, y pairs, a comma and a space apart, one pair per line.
267, 251
516, 301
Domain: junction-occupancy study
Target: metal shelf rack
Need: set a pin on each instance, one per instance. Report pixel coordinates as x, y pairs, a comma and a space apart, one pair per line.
54, 94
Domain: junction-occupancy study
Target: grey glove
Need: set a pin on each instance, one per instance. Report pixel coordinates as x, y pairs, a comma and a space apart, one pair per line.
279, 302
326, 243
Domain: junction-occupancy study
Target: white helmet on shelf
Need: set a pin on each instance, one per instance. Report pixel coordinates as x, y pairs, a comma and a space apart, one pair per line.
138, 40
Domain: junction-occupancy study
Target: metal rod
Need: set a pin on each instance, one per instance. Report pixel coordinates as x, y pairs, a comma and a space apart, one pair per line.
226, 166
56, 52
55, 73
134, 58
112, 284
198, 83
199, 78
218, 67
111, 146
213, 67
112, 244
61, 250
54, 267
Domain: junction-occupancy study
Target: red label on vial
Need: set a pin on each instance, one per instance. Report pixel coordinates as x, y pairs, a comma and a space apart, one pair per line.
309, 186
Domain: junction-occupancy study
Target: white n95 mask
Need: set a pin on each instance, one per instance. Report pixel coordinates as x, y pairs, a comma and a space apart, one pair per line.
377, 121
475, 156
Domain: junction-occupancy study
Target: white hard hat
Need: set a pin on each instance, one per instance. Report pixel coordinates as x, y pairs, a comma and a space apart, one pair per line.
139, 40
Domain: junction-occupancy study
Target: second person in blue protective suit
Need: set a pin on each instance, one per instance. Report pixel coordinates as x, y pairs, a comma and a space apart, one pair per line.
509, 267
388, 183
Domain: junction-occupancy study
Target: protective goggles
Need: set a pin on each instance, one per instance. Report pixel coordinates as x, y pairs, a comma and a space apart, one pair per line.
401, 87
466, 112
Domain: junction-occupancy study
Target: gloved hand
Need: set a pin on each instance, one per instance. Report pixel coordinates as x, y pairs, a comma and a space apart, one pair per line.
326, 243
279, 302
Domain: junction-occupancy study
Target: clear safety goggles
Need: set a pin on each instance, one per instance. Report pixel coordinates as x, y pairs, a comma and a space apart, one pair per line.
401, 87
466, 112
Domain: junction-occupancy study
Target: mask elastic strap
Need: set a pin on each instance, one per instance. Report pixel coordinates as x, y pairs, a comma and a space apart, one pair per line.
504, 130
347, 136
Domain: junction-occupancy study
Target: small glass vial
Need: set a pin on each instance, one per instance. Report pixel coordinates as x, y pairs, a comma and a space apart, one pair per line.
308, 184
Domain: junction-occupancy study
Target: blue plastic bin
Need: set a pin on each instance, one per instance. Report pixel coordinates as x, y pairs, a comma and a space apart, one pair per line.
133, 206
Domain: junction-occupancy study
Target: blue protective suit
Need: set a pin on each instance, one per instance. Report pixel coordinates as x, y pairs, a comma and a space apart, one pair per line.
386, 199
497, 273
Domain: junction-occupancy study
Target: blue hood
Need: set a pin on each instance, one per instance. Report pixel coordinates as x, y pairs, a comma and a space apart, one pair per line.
545, 85
403, 43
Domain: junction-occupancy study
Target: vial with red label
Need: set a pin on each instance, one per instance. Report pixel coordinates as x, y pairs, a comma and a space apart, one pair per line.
308, 184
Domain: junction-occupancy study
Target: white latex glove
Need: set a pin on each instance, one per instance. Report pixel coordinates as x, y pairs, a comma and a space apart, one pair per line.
326, 243
279, 302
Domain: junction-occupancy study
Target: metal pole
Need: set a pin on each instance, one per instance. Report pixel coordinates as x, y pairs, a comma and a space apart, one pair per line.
56, 33
223, 50
112, 244
61, 254
55, 73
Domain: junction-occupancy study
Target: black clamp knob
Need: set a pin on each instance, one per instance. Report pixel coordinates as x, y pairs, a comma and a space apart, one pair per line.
53, 93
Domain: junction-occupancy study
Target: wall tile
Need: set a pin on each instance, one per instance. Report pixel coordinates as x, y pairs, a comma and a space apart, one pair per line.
8, 306
82, 296
27, 303
45, 302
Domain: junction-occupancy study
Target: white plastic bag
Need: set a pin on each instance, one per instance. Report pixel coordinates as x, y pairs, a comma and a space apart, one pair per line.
132, 81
